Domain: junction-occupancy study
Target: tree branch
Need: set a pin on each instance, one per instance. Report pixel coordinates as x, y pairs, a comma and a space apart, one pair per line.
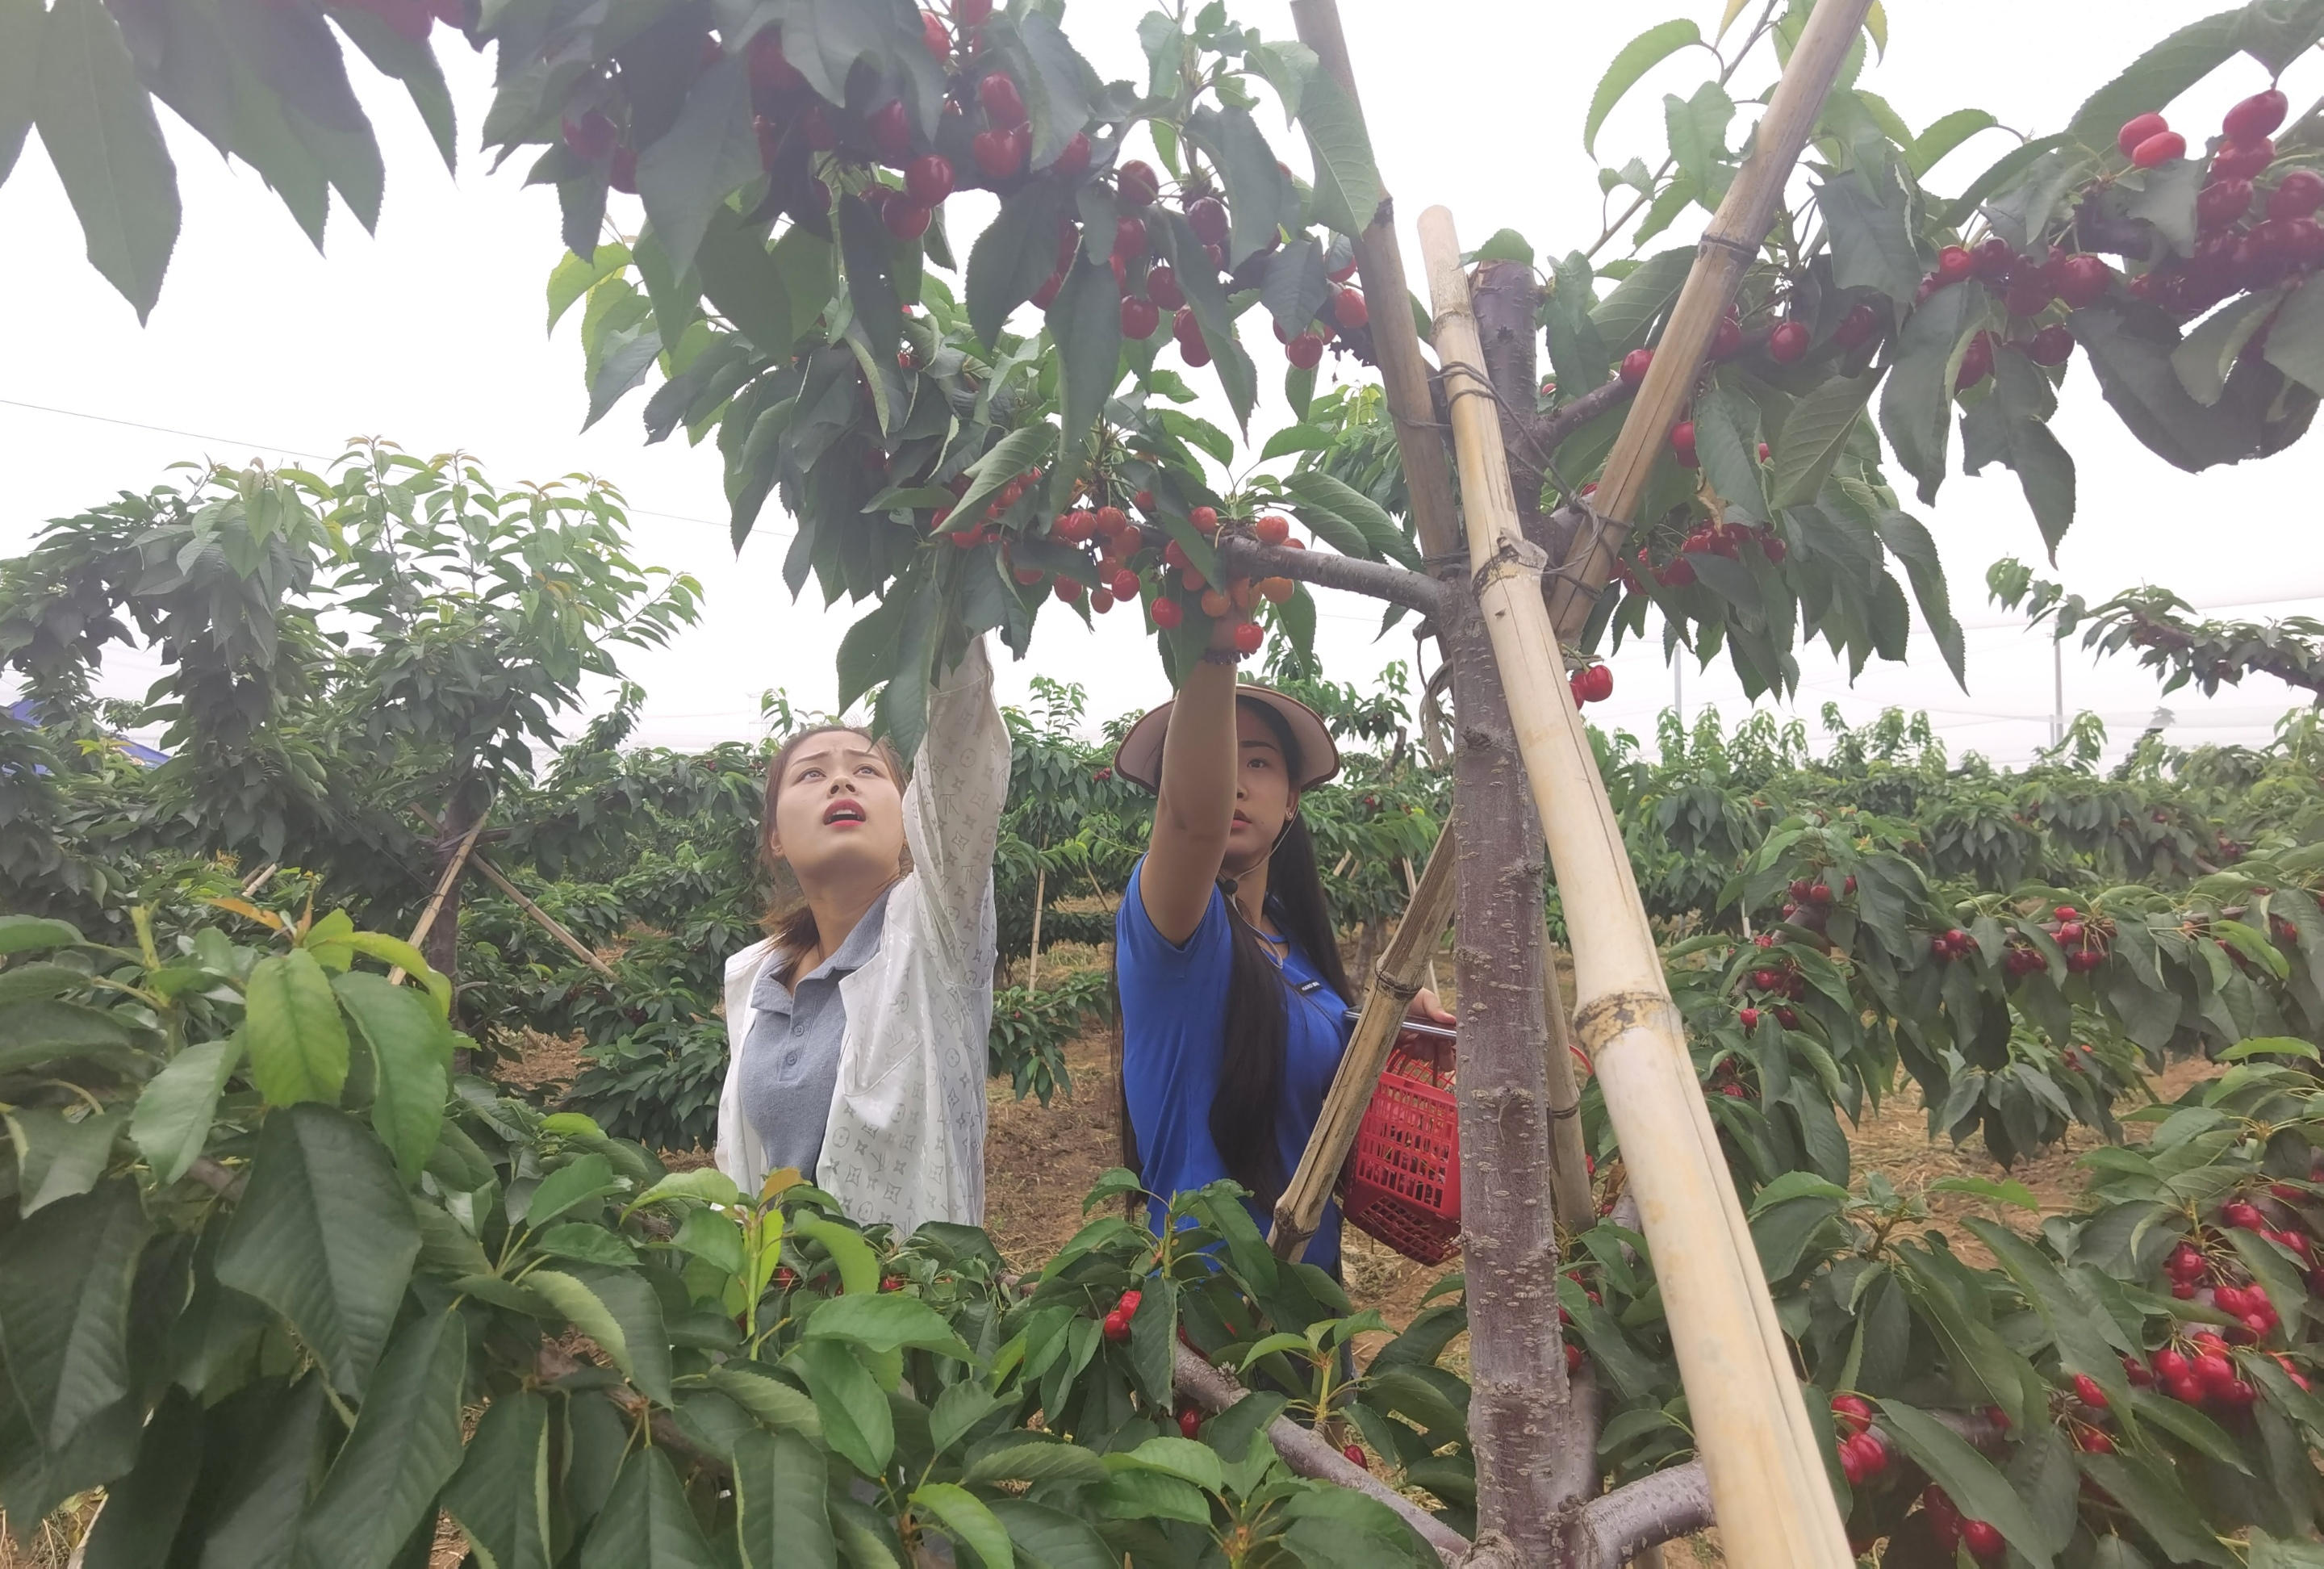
1307, 1455
1330, 569
1659, 1507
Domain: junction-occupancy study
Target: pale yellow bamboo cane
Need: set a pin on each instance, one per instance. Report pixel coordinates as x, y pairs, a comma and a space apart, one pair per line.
1568, 1174
1768, 1489
1394, 981
444, 884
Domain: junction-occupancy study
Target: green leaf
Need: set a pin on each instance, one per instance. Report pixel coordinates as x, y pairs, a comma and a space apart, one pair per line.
1085, 323
704, 1184
1697, 128
2151, 1495
39, 1032
1035, 1459
257, 1522
1577, 354
1504, 246
412, 63
2010, 425
966, 1518
1872, 243
573, 277
1348, 190
1726, 437
618, 1310
298, 1044
1012, 258
1982, 1493
710, 153
64, 1309
19, 83
25, 934
57, 1156
1337, 1529
405, 1446
856, 1421
499, 1497
325, 1237
569, 1187
869, 260
411, 1056
767, 1398
2130, 352
2204, 359
1627, 317
143, 1510
2082, 1348
1150, 1495
2155, 77
1814, 434
1944, 136
2003, 170
647, 1523
781, 1519
887, 1320
1261, 200
1916, 405
739, 276
588, 1244
1184, 1458
1048, 1538
1200, 281
1009, 457
1633, 60
2296, 342
1058, 86
1320, 492
98, 125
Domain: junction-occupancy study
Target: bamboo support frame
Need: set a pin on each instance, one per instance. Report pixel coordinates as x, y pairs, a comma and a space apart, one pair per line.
540, 916
1569, 1177
1774, 1503
1394, 981
1728, 246
443, 886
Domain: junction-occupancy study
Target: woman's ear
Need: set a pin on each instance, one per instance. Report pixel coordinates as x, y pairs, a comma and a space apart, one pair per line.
1291, 805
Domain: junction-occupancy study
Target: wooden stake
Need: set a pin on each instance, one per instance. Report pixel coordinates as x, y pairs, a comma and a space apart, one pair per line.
443, 886
541, 917
1729, 246
1768, 1483
1394, 981
1569, 1177
1033, 960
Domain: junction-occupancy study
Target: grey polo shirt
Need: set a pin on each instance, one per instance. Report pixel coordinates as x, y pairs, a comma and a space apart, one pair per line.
791, 1058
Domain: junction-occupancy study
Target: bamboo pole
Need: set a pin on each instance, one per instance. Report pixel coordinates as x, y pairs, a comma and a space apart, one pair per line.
1394, 981
443, 886
1775, 1507
1728, 247
1569, 1177
1033, 959
541, 917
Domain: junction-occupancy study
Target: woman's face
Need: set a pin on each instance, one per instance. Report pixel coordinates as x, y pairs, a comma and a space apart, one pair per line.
839, 815
1264, 797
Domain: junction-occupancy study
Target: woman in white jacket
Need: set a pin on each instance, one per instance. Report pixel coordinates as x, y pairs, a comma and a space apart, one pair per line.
857, 1032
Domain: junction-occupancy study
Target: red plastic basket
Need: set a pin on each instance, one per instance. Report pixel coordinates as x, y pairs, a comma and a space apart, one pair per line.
1401, 1181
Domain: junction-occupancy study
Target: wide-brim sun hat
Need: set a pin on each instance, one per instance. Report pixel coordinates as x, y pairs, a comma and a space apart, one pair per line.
1139, 757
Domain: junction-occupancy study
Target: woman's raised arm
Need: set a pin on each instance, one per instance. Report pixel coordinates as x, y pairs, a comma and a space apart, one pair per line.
1196, 806
960, 783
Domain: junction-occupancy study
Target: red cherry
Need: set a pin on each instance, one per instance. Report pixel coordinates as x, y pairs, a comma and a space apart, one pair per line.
1954, 263
2298, 195
2242, 159
1857, 327
1117, 1327
621, 174
2135, 130
1125, 586
1304, 351
1204, 519
1597, 684
934, 35
1855, 1413
1248, 636
2087, 1391
2160, 148
1046, 294
1983, 1540
2242, 1214
591, 136
1162, 287
2257, 116
1190, 1423
1634, 366
891, 131
1976, 362
2222, 202
996, 153
1272, 529
1349, 309
928, 180
1354, 1453
2083, 279
1145, 498
1682, 440
769, 71
1788, 343
1004, 106
1129, 239
1572, 1357
1074, 161
972, 13
907, 220
1138, 184
1726, 340
1069, 589
1748, 1018
1208, 217
1139, 319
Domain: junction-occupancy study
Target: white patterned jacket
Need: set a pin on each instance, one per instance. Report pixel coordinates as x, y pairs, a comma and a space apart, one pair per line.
905, 1143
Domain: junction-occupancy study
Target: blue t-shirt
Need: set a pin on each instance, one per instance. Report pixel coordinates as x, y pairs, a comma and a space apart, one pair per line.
1174, 1009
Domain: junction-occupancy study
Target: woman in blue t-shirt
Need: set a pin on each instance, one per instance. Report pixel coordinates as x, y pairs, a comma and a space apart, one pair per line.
1233, 994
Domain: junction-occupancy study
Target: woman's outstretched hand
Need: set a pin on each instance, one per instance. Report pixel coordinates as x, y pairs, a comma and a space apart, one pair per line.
1425, 1009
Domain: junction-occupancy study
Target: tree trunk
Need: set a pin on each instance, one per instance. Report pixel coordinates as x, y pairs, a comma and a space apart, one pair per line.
441, 944
1521, 1416
1507, 302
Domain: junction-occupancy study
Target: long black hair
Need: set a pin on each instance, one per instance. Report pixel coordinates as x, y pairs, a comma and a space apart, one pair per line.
1259, 1000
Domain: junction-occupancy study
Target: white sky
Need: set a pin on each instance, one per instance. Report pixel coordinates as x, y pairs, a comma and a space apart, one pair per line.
430, 334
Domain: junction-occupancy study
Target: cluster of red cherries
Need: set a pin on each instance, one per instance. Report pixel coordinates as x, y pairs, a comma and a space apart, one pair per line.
2248, 237
1117, 1319
1953, 1530
1778, 978
2082, 940
1863, 1453
1592, 683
